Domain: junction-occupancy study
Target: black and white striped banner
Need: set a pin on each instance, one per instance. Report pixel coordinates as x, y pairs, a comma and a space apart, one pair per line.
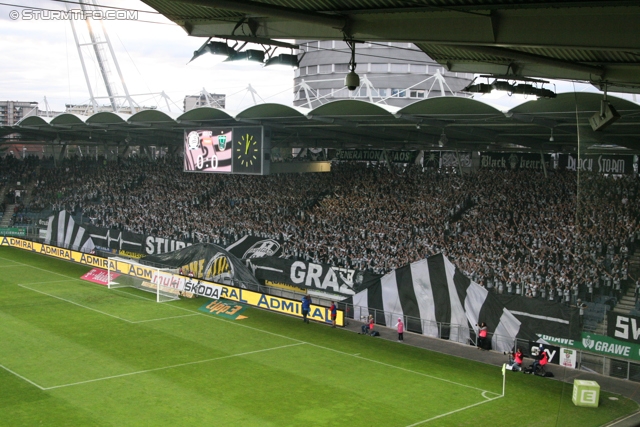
62, 231
438, 301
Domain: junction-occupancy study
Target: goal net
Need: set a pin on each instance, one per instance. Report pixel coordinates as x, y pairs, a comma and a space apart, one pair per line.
163, 282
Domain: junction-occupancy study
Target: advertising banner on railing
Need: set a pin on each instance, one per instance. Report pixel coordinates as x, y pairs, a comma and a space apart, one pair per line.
200, 287
569, 358
553, 352
599, 163
377, 155
13, 231
514, 161
601, 344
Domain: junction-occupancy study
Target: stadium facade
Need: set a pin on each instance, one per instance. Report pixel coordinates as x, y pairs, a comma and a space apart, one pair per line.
395, 74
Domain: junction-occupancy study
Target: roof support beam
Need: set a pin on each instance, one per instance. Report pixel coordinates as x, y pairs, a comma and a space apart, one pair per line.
255, 8
529, 57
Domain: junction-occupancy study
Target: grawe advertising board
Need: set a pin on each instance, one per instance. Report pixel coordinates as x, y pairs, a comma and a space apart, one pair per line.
243, 296
594, 343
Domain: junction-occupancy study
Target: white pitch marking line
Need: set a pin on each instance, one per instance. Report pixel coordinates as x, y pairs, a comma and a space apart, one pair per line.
46, 283
172, 366
453, 412
21, 377
401, 368
102, 312
165, 318
75, 303
337, 351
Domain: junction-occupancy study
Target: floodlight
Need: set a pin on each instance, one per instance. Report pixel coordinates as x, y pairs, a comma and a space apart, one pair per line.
251, 55
220, 48
502, 86
284, 59
478, 88
214, 48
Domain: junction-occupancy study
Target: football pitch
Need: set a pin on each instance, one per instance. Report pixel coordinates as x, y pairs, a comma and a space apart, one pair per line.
74, 353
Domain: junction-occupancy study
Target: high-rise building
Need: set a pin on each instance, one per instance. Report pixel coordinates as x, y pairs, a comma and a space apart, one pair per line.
204, 99
390, 73
11, 112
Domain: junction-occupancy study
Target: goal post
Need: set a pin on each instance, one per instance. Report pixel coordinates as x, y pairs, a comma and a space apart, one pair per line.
163, 282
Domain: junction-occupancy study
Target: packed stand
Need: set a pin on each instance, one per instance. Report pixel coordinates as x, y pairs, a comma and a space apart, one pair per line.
514, 232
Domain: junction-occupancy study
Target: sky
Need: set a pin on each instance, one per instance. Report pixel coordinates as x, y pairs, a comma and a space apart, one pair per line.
39, 58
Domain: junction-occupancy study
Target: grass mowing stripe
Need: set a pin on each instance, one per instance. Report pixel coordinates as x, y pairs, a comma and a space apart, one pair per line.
46, 283
402, 369
169, 367
21, 377
75, 303
338, 351
283, 336
165, 318
453, 412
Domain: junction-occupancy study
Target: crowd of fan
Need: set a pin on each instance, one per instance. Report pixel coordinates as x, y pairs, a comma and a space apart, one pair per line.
517, 232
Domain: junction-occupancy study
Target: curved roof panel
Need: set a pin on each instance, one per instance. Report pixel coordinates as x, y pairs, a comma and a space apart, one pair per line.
202, 114
152, 116
449, 105
34, 121
108, 118
68, 119
351, 107
270, 111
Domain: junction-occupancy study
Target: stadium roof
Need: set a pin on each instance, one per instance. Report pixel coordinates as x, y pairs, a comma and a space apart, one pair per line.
593, 41
467, 123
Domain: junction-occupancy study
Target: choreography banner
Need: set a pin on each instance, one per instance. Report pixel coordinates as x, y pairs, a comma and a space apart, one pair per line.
308, 275
63, 231
255, 247
208, 262
438, 300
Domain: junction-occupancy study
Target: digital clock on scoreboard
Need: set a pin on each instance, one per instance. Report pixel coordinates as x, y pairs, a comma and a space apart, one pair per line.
238, 150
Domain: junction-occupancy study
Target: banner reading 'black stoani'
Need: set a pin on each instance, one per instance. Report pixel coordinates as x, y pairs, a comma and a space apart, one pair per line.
600, 163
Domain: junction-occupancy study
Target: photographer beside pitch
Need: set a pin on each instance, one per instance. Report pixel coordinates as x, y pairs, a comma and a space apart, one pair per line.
515, 360
541, 360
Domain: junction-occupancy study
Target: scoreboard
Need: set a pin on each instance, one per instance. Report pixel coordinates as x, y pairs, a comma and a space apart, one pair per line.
236, 150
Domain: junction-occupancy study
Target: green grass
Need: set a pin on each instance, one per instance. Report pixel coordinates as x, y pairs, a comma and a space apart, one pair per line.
74, 353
